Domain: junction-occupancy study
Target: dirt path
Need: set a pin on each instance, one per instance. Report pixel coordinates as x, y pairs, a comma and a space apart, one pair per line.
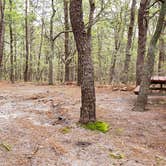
39, 126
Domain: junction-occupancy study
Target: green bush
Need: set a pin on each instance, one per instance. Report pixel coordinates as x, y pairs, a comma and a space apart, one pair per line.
99, 126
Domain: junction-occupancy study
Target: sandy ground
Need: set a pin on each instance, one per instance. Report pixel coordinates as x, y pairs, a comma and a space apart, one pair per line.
33, 122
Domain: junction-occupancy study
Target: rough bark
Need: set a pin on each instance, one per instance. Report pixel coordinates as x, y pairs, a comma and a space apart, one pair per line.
129, 42
11, 44
162, 54
149, 63
26, 41
88, 100
2, 31
89, 36
142, 38
51, 38
67, 53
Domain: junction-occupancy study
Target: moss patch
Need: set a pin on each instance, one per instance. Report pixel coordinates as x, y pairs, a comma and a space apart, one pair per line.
98, 126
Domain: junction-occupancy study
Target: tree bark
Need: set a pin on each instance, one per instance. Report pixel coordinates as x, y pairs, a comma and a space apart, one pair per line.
27, 41
129, 42
11, 44
2, 32
51, 38
88, 100
162, 53
149, 64
67, 54
142, 38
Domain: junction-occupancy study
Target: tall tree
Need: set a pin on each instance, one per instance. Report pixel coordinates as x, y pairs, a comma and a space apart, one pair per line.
67, 53
162, 52
88, 100
51, 38
142, 37
149, 63
2, 30
26, 41
11, 43
129, 42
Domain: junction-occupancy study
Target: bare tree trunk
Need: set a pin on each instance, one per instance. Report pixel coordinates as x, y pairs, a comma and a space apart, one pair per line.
162, 53
149, 64
89, 36
2, 32
51, 38
88, 100
114, 56
100, 74
129, 42
11, 44
142, 37
27, 41
67, 54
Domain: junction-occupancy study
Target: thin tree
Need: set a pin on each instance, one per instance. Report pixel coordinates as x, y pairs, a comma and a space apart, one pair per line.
83, 44
11, 43
162, 53
2, 31
149, 64
26, 41
67, 53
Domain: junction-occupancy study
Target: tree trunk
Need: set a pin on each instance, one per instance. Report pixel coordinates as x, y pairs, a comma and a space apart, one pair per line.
162, 54
149, 64
129, 42
11, 44
142, 37
67, 54
51, 38
2, 31
27, 41
88, 100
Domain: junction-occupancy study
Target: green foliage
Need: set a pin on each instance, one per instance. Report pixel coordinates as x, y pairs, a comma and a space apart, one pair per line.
98, 126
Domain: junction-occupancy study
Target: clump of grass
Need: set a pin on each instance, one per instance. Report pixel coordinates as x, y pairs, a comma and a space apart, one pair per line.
98, 126
117, 155
65, 130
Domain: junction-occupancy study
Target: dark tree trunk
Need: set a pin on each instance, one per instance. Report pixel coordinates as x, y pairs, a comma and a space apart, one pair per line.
2, 31
27, 42
67, 54
88, 108
11, 44
149, 64
129, 42
142, 37
51, 38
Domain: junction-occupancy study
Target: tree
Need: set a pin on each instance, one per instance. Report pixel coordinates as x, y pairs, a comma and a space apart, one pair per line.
2, 30
142, 37
67, 53
149, 64
83, 44
26, 41
129, 42
11, 44
162, 53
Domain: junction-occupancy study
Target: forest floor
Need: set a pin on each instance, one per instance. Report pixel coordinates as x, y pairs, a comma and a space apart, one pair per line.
38, 127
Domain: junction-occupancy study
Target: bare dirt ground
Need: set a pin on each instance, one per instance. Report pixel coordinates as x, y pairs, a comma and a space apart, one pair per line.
38, 127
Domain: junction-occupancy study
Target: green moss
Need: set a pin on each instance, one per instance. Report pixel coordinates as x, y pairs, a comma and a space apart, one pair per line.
99, 126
